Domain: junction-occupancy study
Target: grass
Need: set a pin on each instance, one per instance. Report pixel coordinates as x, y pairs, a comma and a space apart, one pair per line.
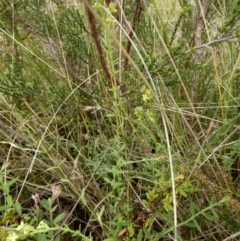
119, 121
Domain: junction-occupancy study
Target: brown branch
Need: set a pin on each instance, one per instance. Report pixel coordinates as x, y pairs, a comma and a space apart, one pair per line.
196, 42
199, 27
96, 38
139, 6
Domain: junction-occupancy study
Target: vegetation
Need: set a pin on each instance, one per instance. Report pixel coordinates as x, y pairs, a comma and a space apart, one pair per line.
119, 120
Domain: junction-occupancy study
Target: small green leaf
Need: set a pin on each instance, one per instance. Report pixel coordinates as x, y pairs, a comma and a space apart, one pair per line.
148, 195
58, 238
197, 225
43, 237
191, 224
147, 233
140, 235
4, 207
101, 211
215, 214
54, 208
182, 192
18, 207
7, 185
9, 200
11, 182
213, 200
46, 204
59, 218
131, 231
107, 180
116, 185
208, 216
192, 208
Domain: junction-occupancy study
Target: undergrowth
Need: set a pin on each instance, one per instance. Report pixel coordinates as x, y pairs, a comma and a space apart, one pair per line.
119, 120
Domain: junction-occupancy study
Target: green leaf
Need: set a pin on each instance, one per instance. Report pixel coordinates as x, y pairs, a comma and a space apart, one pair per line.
107, 180
11, 182
59, 218
18, 207
46, 204
148, 195
58, 238
140, 235
116, 185
147, 233
208, 216
192, 208
197, 225
43, 237
191, 224
215, 214
7, 185
182, 192
213, 200
54, 208
167, 217
131, 231
4, 207
101, 211
146, 203
9, 200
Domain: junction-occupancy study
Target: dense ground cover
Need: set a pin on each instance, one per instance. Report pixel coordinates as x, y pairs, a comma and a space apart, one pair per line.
119, 120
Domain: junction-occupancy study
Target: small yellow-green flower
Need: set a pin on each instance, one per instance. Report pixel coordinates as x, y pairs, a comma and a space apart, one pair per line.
111, 22
146, 94
42, 226
13, 236
24, 229
138, 112
112, 7
151, 116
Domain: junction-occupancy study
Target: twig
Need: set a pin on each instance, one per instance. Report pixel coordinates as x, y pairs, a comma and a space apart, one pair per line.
96, 38
18, 147
139, 6
199, 47
215, 41
197, 41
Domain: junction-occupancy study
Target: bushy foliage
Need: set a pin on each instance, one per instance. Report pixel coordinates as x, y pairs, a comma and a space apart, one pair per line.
119, 120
